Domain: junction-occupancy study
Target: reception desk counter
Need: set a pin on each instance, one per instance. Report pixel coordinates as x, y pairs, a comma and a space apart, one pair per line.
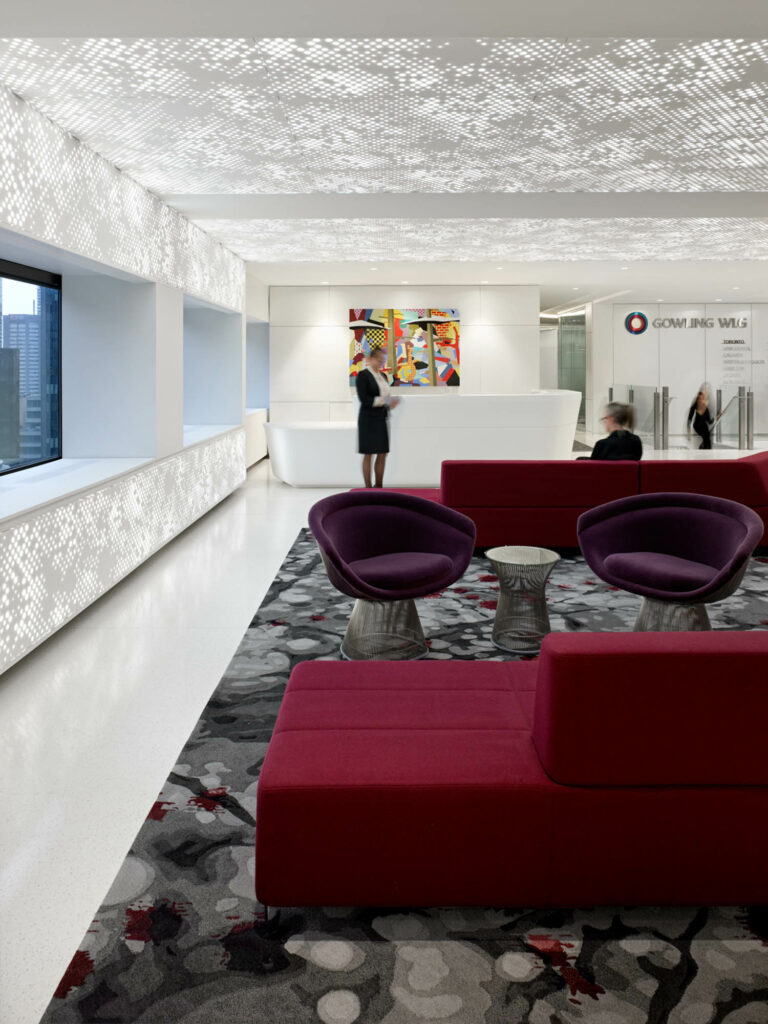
425, 429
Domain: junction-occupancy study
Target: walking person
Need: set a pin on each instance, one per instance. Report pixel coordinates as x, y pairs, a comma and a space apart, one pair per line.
701, 419
373, 391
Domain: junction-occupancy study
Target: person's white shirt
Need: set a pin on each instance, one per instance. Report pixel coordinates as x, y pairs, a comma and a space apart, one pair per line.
384, 388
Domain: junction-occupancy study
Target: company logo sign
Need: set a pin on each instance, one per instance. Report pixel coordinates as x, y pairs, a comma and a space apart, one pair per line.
636, 323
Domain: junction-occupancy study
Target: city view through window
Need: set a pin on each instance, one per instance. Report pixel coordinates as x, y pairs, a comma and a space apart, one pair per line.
30, 358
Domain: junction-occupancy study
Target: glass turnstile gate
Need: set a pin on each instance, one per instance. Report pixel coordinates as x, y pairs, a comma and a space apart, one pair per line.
734, 407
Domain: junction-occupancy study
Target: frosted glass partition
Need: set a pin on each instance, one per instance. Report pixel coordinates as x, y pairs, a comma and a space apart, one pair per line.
641, 398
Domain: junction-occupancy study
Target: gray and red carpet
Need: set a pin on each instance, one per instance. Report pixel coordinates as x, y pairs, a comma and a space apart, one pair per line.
176, 940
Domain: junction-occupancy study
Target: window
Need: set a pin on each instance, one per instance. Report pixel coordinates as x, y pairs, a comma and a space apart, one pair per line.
30, 367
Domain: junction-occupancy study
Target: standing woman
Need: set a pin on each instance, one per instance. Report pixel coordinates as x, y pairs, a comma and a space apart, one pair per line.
372, 426
701, 418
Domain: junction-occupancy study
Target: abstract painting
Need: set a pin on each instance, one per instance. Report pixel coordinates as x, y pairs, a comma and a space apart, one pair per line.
422, 345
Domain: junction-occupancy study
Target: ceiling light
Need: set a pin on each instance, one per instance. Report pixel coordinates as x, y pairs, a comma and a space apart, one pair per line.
718, 300
403, 282
499, 268
737, 287
483, 282
576, 288
325, 282
373, 268
623, 268
659, 300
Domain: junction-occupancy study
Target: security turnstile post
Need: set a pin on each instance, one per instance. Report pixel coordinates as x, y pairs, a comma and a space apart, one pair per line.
656, 421
664, 418
741, 418
718, 413
750, 419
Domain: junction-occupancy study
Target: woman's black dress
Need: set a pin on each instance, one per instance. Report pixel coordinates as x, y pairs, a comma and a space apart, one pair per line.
372, 425
702, 425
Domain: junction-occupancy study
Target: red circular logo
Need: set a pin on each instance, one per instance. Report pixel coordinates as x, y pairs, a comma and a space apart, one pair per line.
636, 323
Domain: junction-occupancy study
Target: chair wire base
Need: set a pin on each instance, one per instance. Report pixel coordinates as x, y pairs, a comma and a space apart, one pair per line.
384, 631
670, 617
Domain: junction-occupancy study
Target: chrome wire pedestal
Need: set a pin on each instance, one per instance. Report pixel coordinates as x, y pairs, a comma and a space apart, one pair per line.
670, 617
522, 619
384, 631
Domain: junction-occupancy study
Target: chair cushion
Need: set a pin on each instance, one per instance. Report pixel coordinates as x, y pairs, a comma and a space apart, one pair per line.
660, 571
402, 569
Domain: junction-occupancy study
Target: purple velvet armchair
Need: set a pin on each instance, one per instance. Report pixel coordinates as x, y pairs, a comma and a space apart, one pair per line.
385, 549
678, 551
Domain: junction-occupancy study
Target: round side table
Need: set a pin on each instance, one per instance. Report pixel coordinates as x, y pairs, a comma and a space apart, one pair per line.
522, 620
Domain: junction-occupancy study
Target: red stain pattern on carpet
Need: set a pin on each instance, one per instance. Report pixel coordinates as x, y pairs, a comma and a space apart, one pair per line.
558, 955
74, 976
209, 799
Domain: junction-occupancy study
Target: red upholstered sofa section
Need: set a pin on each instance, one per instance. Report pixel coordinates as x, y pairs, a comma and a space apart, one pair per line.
636, 779
684, 709
744, 480
528, 502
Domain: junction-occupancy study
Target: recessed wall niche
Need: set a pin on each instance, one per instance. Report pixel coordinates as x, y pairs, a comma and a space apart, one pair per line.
214, 393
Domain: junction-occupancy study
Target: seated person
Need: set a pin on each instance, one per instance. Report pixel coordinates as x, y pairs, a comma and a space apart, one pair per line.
621, 443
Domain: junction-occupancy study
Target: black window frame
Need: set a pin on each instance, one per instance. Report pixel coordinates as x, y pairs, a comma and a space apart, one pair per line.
34, 275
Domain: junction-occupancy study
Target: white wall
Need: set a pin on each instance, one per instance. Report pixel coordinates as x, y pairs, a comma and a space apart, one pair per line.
679, 358
309, 342
548, 356
108, 368
257, 366
214, 363
169, 363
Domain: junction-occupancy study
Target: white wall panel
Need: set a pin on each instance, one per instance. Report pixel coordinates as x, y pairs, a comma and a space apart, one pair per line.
169, 369
300, 306
60, 558
682, 366
509, 358
635, 356
309, 357
342, 412
505, 305
108, 367
299, 412
760, 366
213, 367
257, 366
308, 364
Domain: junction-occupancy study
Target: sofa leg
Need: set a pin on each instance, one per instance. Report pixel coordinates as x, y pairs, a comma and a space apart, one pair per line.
669, 617
385, 631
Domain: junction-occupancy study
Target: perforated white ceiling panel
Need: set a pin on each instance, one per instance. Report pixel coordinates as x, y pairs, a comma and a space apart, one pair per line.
405, 115
379, 240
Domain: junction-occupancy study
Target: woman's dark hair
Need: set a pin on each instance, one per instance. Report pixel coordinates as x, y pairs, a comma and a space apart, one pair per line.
621, 414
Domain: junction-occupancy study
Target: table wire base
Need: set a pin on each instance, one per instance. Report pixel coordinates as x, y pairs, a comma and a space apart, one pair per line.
670, 617
384, 631
522, 619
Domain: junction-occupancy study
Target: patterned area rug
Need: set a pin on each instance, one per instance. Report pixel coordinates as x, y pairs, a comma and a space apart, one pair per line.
176, 939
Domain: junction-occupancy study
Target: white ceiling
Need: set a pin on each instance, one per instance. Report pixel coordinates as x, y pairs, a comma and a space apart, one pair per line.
375, 240
456, 152
408, 115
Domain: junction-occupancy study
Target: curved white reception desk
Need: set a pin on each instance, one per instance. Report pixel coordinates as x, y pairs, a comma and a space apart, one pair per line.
426, 430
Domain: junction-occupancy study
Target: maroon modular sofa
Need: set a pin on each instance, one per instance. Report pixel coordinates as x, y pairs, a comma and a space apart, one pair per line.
539, 503
615, 769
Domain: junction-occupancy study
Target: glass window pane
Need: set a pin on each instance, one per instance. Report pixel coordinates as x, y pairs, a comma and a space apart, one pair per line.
30, 360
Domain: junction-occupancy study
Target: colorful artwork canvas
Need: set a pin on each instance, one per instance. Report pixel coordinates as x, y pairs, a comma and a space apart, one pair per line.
422, 345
